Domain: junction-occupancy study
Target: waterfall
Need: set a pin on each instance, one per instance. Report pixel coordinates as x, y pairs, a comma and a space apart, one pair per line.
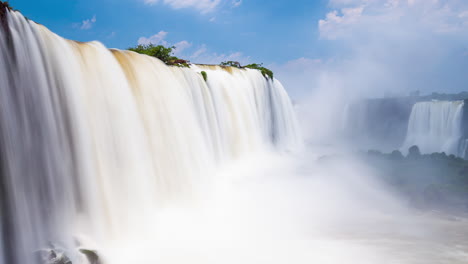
93, 140
435, 127
377, 123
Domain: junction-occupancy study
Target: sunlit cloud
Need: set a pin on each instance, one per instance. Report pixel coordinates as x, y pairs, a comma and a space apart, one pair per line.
157, 39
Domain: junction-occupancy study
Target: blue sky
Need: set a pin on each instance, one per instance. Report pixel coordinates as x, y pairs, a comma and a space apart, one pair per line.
261, 31
352, 46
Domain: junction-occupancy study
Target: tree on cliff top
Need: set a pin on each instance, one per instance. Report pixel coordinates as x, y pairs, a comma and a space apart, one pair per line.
265, 72
165, 54
256, 66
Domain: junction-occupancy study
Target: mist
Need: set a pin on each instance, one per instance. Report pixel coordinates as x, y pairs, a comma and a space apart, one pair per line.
382, 49
300, 209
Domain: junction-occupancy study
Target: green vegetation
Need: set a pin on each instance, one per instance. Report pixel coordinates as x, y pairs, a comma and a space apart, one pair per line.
165, 54
265, 72
205, 75
5, 4
430, 181
231, 64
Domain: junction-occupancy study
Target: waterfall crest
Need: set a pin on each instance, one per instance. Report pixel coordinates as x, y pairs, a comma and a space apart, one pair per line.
435, 127
93, 140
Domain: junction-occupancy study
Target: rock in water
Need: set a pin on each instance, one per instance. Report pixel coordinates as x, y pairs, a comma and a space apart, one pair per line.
52, 256
91, 255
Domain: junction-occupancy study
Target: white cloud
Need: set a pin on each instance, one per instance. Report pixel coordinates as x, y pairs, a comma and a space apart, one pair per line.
386, 45
157, 39
160, 39
112, 34
181, 46
379, 47
395, 45
88, 23
302, 63
341, 3
236, 3
463, 14
335, 25
204, 6
199, 52
441, 16
203, 55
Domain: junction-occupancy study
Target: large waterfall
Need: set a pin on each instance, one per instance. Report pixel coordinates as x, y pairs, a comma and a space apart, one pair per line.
436, 126
93, 141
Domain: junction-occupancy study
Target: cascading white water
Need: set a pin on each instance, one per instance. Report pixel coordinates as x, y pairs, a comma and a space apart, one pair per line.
435, 127
94, 141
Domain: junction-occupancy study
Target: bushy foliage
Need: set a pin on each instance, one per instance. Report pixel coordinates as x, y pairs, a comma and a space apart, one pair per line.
4, 7
205, 75
3, 20
265, 72
165, 54
231, 64
6, 4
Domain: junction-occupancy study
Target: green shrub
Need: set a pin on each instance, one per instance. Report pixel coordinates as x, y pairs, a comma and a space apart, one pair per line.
265, 72
5, 4
165, 54
231, 64
205, 75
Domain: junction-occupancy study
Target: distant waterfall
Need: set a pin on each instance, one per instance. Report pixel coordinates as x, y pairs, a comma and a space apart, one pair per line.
435, 127
93, 141
377, 123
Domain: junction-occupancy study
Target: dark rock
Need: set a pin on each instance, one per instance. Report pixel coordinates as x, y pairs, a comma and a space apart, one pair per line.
414, 152
91, 255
